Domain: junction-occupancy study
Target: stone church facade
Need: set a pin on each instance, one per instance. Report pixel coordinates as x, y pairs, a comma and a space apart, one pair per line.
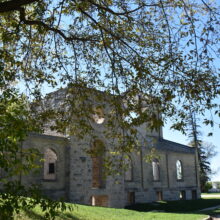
70, 173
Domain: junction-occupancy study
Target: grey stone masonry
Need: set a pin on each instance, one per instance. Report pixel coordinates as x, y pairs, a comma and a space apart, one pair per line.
69, 172
73, 180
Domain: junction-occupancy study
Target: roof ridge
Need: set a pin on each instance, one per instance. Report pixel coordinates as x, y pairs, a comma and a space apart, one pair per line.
183, 145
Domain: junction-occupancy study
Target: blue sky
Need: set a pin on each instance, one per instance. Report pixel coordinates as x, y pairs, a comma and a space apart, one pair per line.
177, 136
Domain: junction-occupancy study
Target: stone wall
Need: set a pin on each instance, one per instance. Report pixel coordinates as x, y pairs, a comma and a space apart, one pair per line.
81, 190
167, 187
74, 173
54, 188
74, 167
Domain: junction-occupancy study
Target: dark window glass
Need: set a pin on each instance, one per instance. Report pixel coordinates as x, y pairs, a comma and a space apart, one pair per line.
131, 198
182, 195
159, 195
194, 194
51, 168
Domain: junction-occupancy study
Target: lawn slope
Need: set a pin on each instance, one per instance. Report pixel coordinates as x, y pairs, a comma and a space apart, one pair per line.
173, 210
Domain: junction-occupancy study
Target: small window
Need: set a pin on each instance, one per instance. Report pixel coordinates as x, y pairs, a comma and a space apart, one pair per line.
183, 195
51, 168
159, 195
179, 170
131, 198
194, 194
50, 159
128, 169
156, 170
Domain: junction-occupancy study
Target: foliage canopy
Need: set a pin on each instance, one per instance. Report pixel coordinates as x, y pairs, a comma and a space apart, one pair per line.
162, 49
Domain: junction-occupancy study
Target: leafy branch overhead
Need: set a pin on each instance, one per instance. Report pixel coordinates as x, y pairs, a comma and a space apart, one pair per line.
155, 59
165, 50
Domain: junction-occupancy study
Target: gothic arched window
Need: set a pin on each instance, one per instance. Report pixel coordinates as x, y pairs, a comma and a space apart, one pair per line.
156, 170
50, 159
179, 170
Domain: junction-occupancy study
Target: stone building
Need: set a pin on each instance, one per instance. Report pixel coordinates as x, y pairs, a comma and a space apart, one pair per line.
70, 173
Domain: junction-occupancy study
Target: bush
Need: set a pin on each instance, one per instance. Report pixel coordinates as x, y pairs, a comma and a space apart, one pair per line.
208, 186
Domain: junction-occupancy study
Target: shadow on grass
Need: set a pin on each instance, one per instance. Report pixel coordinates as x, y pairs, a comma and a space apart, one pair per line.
35, 216
180, 206
213, 213
67, 216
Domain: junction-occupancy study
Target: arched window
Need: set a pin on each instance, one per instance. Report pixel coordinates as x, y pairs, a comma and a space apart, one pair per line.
156, 170
179, 170
50, 159
128, 169
97, 152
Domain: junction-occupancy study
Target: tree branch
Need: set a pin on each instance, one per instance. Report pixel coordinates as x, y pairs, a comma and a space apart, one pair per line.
55, 30
14, 5
115, 36
120, 13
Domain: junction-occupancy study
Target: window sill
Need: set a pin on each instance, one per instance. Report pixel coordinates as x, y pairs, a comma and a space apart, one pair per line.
101, 187
128, 181
48, 180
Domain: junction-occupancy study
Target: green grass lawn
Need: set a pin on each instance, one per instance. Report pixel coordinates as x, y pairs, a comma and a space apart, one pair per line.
211, 193
81, 212
173, 210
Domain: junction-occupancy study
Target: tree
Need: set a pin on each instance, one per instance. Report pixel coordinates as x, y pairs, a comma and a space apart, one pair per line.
164, 50
205, 169
204, 152
208, 186
156, 54
15, 124
207, 152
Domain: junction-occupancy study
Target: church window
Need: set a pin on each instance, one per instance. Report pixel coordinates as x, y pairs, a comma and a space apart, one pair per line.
97, 153
131, 198
50, 159
156, 170
179, 170
194, 194
51, 168
128, 169
183, 195
159, 195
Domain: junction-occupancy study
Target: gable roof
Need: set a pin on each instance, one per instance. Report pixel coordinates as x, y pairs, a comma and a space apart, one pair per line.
163, 144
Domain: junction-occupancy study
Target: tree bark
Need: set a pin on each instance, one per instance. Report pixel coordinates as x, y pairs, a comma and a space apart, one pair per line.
14, 5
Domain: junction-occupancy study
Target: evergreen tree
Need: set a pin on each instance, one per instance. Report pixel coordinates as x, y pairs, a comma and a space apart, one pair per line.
205, 151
